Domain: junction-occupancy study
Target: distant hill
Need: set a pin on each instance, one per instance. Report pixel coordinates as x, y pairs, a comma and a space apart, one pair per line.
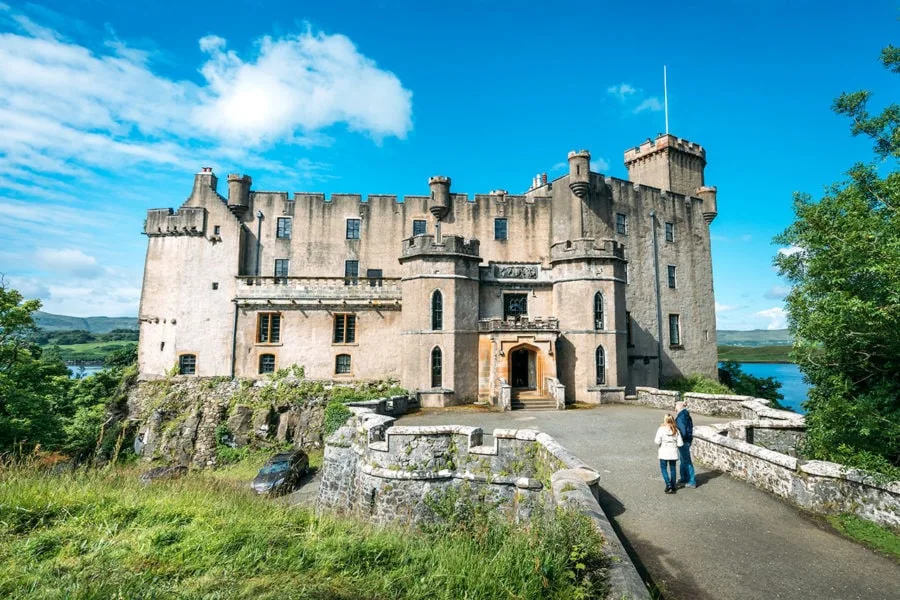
754, 337
51, 322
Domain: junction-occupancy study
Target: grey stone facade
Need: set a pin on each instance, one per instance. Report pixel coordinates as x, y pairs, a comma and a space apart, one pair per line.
576, 289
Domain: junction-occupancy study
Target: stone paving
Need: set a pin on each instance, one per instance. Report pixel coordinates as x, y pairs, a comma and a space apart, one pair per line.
723, 540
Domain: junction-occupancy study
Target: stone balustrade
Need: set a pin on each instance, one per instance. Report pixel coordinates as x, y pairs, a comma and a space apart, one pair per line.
519, 324
384, 289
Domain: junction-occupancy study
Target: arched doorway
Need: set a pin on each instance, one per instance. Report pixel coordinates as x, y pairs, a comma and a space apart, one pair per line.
523, 369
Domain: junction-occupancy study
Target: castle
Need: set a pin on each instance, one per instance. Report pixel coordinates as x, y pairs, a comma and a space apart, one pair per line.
581, 287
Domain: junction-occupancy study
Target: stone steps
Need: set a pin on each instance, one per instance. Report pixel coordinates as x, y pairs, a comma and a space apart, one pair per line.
534, 403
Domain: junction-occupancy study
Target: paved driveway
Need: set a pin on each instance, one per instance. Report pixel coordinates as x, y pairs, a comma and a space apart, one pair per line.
723, 540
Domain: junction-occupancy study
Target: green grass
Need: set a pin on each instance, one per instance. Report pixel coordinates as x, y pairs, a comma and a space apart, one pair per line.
868, 534
90, 352
101, 534
758, 354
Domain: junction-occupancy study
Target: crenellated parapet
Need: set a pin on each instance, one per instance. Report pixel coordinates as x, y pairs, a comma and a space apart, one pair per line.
586, 248
449, 245
664, 142
165, 221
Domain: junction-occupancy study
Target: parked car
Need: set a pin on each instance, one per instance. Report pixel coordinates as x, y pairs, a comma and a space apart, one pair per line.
281, 473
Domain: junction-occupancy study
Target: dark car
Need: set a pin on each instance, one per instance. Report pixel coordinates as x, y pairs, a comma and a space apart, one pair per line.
281, 473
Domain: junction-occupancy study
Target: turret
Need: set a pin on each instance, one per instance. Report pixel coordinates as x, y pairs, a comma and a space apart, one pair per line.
580, 172
710, 208
439, 205
668, 163
239, 191
205, 179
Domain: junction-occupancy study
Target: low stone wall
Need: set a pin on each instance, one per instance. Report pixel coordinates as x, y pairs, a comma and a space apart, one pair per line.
820, 487
387, 473
609, 395
703, 404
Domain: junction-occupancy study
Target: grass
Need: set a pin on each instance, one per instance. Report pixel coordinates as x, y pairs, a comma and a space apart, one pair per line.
91, 351
101, 534
868, 534
756, 354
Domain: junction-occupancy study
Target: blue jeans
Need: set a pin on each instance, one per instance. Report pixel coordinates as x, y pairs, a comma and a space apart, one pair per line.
686, 467
669, 477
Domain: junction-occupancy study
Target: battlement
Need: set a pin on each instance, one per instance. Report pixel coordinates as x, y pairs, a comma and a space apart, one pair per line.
661, 143
586, 248
165, 221
439, 179
579, 153
449, 245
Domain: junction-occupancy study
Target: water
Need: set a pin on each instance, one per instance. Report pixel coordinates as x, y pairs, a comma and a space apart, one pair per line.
793, 387
83, 371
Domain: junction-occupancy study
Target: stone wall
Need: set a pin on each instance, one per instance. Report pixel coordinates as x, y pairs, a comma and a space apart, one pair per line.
704, 404
391, 473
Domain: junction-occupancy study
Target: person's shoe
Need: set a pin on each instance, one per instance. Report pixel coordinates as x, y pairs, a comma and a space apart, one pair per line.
690, 485
670, 490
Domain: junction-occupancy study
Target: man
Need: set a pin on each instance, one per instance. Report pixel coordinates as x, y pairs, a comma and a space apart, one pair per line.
686, 427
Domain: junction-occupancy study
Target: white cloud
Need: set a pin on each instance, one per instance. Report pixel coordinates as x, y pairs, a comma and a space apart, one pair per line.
790, 250
599, 165
68, 262
720, 308
777, 292
621, 91
776, 316
651, 104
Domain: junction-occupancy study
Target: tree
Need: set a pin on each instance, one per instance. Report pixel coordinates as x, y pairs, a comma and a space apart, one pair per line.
844, 308
745, 384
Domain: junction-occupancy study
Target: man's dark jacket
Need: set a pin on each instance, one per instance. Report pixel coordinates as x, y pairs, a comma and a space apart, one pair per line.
685, 425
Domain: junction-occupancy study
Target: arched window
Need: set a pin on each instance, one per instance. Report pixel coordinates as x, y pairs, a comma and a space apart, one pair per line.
437, 368
598, 311
601, 366
437, 310
266, 363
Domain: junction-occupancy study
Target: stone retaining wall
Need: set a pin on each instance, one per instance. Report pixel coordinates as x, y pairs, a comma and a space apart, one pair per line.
384, 473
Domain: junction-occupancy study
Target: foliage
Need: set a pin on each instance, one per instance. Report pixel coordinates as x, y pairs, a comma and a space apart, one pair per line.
745, 384
696, 383
336, 414
844, 308
756, 354
101, 534
867, 533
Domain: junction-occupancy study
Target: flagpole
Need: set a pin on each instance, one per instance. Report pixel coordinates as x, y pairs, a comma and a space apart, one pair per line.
666, 98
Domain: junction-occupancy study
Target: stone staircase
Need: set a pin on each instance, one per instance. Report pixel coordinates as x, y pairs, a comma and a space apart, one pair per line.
533, 401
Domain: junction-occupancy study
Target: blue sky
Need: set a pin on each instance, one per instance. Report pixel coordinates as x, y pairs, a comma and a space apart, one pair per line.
107, 108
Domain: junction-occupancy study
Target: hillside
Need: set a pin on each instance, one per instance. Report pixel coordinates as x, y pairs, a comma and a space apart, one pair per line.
754, 337
51, 322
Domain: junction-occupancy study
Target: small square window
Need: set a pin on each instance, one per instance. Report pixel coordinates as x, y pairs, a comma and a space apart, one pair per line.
420, 226
351, 272
217, 230
266, 363
674, 330
671, 273
187, 364
283, 229
670, 232
215, 285
342, 364
621, 224
352, 229
500, 229
281, 270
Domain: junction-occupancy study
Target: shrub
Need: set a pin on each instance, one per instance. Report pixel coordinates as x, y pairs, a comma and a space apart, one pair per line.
698, 384
336, 414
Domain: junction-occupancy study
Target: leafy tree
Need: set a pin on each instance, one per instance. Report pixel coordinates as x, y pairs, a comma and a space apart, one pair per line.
844, 308
745, 384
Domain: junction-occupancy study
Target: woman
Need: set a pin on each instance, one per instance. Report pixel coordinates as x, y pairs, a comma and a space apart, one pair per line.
668, 440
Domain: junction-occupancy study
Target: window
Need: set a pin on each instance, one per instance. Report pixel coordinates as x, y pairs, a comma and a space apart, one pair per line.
352, 229
375, 277
342, 364
671, 272
351, 272
500, 229
419, 226
628, 338
344, 329
437, 310
670, 232
598, 311
621, 224
215, 285
187, 364
217, 230
281, 270
515, 306
601, 366
266, 363
283, 229
437, 368
268, 328
674, 331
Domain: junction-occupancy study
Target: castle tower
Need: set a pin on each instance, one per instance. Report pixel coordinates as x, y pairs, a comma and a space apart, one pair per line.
589, 298
580, 172
668, 163
239, 193
439, 318
439, 205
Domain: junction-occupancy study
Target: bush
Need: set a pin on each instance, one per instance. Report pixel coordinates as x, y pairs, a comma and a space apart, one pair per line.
698, 384
336, 414
744, 384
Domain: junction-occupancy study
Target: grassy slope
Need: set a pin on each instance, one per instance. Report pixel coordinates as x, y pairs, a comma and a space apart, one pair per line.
772, 354
754, 337
868, 534
52, 322
103, 535
90, 352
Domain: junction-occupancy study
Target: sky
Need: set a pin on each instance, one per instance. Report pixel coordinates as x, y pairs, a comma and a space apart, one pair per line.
108, 108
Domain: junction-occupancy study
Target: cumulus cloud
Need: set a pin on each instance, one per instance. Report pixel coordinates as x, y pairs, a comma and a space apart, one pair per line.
599, 165
651, 104
776, 316
790, 250
777, 292
635, 99
68, 262
622, 91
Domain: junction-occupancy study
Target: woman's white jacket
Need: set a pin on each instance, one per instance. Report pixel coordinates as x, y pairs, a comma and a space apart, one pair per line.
668, 443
